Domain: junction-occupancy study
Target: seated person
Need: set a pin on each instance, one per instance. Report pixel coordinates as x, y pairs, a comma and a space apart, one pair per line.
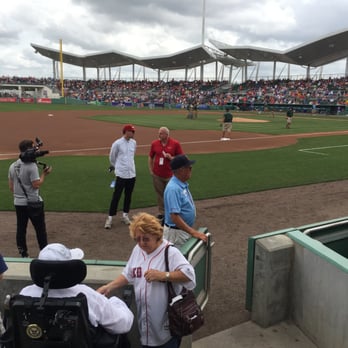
110, 313
3, 267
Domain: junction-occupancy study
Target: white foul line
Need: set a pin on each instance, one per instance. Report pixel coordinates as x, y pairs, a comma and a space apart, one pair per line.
310, 150
142, 146
9, 155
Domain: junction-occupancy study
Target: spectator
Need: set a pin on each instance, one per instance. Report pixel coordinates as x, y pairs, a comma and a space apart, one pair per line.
179, 207
162, 151
146, 270
112, 314
24, 182
121, 158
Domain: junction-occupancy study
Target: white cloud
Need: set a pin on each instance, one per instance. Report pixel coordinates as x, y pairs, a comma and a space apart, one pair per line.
157, 27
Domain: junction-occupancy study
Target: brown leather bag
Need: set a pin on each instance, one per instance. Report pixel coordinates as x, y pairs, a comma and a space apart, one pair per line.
184, 314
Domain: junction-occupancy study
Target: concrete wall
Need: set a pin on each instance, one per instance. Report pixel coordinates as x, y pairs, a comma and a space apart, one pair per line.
319, 304
304, 281
272, 264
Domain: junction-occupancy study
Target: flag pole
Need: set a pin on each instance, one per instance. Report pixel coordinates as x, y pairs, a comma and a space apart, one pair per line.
203, 23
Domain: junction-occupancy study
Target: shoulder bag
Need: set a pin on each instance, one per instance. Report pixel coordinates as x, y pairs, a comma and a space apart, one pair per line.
184, 314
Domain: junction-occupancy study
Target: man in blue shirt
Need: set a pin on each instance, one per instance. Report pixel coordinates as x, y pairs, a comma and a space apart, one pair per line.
179, 207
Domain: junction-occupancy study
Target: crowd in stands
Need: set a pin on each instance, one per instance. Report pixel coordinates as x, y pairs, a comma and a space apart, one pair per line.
332, 91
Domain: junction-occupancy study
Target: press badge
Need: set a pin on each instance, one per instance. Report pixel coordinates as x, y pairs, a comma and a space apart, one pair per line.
161, 161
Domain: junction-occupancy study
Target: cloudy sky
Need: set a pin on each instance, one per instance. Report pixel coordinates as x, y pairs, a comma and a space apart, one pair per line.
146, 28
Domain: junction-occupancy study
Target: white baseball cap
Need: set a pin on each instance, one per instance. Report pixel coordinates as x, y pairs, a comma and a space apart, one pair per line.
59, 252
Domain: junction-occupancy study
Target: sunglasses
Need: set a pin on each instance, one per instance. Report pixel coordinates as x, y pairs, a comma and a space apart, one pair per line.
142, 239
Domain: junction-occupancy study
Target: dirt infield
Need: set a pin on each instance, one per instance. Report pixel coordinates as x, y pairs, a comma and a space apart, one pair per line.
231, 220
69, 132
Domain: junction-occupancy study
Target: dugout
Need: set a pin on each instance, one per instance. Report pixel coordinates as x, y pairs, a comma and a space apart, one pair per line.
100, 272
301, 274
27, 90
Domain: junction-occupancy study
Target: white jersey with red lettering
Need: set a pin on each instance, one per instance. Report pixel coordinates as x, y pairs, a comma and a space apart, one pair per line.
152, 297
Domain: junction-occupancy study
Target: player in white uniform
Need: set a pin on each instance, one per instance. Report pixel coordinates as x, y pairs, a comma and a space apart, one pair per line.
145, 270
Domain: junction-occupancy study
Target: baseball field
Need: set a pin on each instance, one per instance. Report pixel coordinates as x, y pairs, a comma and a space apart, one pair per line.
265, 178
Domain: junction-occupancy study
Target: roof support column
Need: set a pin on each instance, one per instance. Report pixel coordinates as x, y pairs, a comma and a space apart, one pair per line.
289, 71
84, 73
158, 75
98, 74
54, 69
257, 71
308, 74
346, 71
230, 74
216, 71
274, 69
222, 72
186, 74
133, 72
109, 72
245, 77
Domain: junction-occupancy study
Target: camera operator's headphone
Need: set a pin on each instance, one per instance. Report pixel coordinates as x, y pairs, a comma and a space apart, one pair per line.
128, 127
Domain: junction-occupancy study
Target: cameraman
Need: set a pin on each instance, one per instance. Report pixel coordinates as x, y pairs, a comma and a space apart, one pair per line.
24, 182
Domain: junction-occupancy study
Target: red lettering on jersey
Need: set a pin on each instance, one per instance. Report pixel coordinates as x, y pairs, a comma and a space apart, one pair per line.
136, 272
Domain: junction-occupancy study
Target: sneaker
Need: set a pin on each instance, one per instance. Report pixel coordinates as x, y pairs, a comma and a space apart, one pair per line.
23, 253
125, 219
108, 223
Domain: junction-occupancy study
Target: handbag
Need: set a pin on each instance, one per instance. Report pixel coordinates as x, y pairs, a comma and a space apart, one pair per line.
35, 205
184, 314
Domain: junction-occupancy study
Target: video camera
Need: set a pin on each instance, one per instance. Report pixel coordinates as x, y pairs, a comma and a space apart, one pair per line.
30, 155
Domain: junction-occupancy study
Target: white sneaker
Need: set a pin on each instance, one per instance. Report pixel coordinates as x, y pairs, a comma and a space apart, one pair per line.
125, 219
108, 223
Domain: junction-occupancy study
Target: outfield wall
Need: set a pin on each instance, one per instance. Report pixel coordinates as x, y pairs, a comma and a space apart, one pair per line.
324, 109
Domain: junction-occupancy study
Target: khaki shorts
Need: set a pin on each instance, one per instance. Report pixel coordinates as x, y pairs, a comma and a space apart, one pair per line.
227, 126
177, 237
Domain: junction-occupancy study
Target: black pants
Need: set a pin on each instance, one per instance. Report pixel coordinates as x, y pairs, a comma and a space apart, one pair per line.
38, 221
122, 184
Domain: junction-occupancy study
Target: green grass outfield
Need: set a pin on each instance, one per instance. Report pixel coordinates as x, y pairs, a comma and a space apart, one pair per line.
81, 183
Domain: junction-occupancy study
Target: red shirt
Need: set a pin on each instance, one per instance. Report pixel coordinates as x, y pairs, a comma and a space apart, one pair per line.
161, 165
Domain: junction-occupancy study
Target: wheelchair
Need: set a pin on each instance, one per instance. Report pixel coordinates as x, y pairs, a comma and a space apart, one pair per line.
47, 322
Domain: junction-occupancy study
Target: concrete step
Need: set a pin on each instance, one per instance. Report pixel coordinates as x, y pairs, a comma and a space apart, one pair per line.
250, 335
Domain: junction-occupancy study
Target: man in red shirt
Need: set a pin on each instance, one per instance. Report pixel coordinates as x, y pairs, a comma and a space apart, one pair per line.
161, 153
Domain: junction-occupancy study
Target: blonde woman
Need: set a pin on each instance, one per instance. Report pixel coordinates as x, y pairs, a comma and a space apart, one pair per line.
145, 270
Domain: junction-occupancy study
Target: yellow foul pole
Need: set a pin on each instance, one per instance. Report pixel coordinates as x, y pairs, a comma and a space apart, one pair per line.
61, 66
